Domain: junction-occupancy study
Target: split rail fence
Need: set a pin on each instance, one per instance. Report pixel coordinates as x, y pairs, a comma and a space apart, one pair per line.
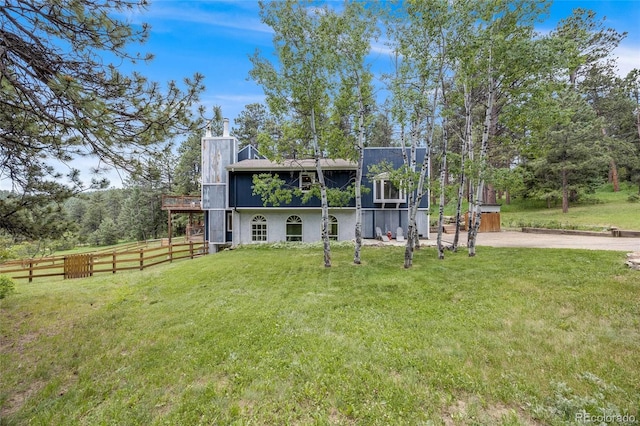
87, 264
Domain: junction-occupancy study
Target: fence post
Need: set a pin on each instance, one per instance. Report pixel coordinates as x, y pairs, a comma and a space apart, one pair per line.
91, 265
191, 249
141, 259
170, 253
30, 270
113, 262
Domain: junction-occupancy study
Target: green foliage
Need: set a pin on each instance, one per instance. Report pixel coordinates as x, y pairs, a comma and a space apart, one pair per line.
575, 160
64, 96
253, 124
36, 214
402, 178
187, 173
274, 191
107, 234
567, 406
7, 286
509, 179
271, 189
611, 210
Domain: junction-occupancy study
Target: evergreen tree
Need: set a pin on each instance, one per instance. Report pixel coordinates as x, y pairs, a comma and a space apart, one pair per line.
251, 122
575, 159
62, 99
188, 173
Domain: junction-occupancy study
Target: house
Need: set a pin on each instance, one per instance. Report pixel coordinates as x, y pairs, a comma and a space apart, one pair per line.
235, 215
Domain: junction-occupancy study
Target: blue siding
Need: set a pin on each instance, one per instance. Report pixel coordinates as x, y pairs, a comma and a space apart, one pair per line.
248, 153
241, 194
374, 156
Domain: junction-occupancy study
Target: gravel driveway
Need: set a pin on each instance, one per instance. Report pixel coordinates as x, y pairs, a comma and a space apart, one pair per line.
521, 239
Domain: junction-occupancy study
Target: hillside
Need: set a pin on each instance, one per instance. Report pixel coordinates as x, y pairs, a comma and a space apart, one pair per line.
269, 336
603, 210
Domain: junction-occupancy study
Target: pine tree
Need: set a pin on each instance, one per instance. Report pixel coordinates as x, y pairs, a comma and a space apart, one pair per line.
62, 99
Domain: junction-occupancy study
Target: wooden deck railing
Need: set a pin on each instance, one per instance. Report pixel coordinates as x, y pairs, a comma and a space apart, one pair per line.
181, 202
88, 264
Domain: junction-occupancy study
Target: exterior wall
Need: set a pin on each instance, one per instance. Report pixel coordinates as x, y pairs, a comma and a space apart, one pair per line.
247, 153
373, 156
227, 193
391, 219
241, 192
422, 223
216, 227
217, 154
277, 220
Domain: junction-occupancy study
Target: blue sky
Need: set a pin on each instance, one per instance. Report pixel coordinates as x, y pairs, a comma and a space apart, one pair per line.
217, 37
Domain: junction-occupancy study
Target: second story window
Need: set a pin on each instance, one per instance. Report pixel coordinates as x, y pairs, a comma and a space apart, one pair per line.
384, 191
307, 180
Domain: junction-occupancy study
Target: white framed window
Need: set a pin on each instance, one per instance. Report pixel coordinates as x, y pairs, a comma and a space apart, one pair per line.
229, 221
333, 228
259, 228
294, 228
384, 191
307, 180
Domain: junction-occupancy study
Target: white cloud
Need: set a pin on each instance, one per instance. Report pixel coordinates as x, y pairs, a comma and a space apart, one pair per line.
163, 13
628, 58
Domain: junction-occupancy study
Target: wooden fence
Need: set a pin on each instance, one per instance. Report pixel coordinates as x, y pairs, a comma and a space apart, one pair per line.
88, 264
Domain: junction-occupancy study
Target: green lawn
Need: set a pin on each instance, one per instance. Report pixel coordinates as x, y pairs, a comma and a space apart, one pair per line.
268, 336
606, 209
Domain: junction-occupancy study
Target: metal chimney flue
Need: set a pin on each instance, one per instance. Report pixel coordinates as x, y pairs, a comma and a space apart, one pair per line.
225, 128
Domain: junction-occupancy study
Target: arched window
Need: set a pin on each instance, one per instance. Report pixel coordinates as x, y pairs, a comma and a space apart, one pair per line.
259, 228
333, 228
294, 228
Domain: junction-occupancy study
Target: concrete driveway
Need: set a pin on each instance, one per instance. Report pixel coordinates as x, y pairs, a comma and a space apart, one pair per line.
521, 239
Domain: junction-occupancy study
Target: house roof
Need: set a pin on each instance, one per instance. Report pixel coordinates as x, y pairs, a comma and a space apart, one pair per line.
304, 164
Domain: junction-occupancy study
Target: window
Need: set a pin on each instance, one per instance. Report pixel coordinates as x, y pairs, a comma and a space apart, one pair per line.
294, 228
333, 228
229, 221
307, 179
259, 228
384, 191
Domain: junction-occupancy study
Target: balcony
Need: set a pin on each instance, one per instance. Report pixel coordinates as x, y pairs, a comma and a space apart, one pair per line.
181, 203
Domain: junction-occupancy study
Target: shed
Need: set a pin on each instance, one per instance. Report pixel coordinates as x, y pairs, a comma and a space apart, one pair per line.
490, 220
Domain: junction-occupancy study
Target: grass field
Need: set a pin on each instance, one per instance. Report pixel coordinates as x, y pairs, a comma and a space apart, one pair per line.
269, 336
606, 209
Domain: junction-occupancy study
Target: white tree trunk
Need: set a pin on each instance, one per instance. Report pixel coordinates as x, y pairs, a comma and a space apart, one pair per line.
477, 208
324, 203
358, 188
443, 169
466, 143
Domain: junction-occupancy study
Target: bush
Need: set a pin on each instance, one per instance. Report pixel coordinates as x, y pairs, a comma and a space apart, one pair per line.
633, 198
7, 286
106, 234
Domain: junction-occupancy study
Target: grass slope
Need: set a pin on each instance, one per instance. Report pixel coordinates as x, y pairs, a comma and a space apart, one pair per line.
269, 336
608, 209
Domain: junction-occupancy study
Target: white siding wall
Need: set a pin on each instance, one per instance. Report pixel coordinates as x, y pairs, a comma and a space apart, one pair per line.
277, 221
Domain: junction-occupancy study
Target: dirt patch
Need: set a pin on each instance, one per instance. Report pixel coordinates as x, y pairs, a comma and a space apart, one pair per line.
16, 400
472, 409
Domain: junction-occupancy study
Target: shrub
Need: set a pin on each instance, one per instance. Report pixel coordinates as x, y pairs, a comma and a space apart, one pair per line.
633, 198
7, 286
